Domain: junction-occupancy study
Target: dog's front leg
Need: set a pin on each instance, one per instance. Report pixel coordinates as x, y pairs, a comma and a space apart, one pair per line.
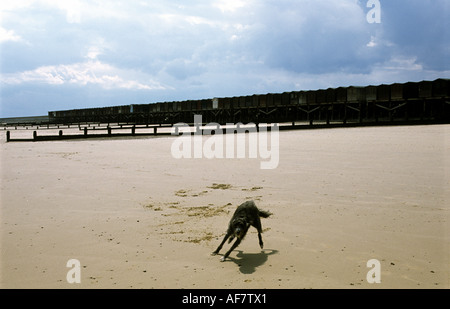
221, 244
236, 243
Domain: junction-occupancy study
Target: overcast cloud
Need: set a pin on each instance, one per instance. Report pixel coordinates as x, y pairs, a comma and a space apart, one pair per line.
75, 53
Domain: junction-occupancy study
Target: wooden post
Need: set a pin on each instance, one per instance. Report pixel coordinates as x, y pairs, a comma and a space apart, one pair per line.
133, 130
375, 111
328, 115
344, 121
360, 113
406, 110
85, 131
109, 130
60, 133
8, 136
34, 135
391, 114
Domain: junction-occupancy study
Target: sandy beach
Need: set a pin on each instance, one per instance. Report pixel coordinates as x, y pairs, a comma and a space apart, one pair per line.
136, 217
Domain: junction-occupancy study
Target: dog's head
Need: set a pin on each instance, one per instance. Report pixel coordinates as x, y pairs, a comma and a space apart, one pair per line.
239, 227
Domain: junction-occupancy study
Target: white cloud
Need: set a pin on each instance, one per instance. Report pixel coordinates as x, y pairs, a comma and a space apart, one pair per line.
9, 35
72, 8
402, 63
90, 72
372, 42
230, 5
93, 52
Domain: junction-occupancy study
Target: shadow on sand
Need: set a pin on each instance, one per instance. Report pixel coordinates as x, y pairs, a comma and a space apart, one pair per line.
248, 262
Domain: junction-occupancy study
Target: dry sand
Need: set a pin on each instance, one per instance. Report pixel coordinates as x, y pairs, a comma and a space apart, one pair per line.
137, 218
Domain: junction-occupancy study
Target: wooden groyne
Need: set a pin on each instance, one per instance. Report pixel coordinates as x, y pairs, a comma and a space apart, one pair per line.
111, 131
412, 103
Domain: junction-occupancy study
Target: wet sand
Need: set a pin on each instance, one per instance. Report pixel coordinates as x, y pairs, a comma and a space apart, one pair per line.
135, 217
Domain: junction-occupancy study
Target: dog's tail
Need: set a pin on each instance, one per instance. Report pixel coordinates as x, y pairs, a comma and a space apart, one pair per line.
263, 213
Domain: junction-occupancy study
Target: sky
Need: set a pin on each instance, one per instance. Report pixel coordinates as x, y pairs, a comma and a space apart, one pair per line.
57, 55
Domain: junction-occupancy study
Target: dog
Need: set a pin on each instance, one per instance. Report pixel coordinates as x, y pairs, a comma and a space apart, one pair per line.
246, 215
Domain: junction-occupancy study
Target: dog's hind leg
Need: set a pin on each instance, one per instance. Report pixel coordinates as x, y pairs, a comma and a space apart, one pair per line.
258, 226
261, 244
221, 244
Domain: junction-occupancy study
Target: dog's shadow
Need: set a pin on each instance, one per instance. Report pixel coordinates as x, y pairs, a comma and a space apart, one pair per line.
248, 262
